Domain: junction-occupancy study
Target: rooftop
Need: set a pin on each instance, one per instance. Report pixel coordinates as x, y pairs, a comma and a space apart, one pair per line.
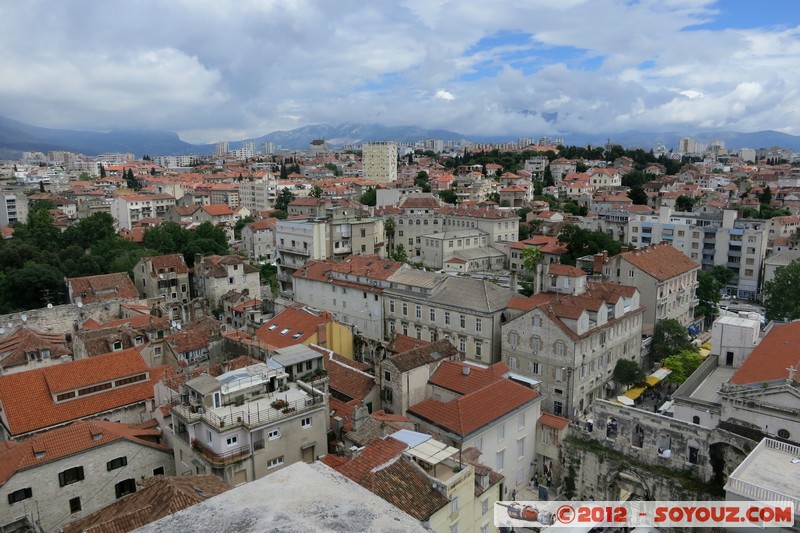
661, 261
770, 473
102, 287
771, 359
300, 497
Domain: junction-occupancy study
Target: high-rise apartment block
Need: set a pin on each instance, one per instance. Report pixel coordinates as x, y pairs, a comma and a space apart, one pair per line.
380, 161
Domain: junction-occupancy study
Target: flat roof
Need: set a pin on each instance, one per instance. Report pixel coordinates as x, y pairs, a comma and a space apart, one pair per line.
708, 389
432, 451
291, 355
772, 465
299, 497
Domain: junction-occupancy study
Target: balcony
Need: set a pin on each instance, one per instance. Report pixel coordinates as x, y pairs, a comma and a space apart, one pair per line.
220, 459
255, 413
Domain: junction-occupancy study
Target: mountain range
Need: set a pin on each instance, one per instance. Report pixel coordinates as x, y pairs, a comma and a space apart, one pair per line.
16, 137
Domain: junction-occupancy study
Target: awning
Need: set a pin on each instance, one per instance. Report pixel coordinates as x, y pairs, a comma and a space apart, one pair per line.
704, 353
658, 376
624, 400
635, 392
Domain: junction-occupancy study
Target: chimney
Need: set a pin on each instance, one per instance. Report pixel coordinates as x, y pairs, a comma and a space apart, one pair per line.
465, 369
360, 414
599, 261
322, 335
513, 282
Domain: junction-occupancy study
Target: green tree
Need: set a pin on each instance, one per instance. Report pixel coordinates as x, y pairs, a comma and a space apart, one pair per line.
448, 196
284, 174
782, 293
638, 196
269, 276
85, 176
240, 224
94, 228
284, 198
370, 197
316, 192
32, 286
580, 242
709, 293
102, 171
421, 180
211, 232
627, 372
531, 258
670, 337
399, 254
389, 229
684, 203
766, 196
682, 364
167, 238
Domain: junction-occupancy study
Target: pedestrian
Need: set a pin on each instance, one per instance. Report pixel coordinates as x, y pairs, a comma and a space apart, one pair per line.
514, 495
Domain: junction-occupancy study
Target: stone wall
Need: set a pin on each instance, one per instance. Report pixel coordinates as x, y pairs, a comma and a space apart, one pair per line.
62, 319
633, 458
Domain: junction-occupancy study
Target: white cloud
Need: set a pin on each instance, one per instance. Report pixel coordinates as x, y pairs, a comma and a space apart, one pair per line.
441, 94
211, 70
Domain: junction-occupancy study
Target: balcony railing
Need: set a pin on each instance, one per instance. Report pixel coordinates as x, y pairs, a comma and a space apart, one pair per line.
250, 418
221, 459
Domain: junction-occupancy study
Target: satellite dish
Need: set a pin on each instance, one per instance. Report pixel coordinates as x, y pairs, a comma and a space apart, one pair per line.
24, 318
10, 325
79, 304
2, 330
49, 306
178, 326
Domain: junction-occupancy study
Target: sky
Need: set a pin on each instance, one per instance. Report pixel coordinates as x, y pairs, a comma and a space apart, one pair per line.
225, 70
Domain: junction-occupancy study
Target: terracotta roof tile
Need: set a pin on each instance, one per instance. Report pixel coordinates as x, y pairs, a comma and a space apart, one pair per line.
402, 484
422, 355
477, 409
36, 409
64, 441
661, 261
14, 348
346, 379
553, 421
375, 454
772, 357
451, 376
288, 323
157, 497
103, 287
403, 343
565, 270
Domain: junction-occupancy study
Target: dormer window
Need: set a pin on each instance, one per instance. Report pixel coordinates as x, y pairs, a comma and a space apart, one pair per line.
284, 331
45, 354
117, 346
138, 341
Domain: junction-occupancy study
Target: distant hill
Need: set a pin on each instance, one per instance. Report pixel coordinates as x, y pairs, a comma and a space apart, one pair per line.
16, 137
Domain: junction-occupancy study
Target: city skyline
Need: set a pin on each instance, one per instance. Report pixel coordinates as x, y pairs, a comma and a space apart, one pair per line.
216, 71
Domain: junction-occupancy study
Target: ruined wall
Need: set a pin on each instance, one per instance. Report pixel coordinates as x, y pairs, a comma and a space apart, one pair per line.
63, 319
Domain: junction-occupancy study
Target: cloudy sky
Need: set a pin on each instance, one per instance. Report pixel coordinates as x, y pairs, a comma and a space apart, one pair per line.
215, 69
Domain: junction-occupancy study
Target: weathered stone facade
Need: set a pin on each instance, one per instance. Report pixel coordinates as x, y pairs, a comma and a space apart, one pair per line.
649, 456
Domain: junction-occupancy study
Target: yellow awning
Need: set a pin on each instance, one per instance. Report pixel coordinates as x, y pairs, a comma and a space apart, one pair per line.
706, 346
704, 353
635, 392
652, 380
656, 377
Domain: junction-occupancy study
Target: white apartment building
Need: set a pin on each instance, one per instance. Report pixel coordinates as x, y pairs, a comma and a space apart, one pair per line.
247, 423
259, 194
380, 161
258, 240
738, 244
13, 209
296, 242
128, 210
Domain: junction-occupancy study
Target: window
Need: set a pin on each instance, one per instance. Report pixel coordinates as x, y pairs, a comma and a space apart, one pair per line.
156, 351
478, 325
462, 344
463, 321
500, 458
274, 434
521, 448
405, 309
19, 495
419, 332
116, 346
387, 376
158, 471
447, 317
277, 461
559, 375
512, 363
119, 462
70, 475
521, 421
559, 348
418, 312
306, 422
478, 349
232, 440
485, 506
536, 344
631, 273
125, 487
454, 528
454, 506
479, 443
433, 315
533, 368
74, 505
391, 306
501, 433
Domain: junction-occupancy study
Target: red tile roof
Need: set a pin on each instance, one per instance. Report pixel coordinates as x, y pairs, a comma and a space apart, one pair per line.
553, 421
403, 343
405, 486
771, 359
14, 348
346, 379
375, 454
36, 409
661, 261
175, 261
69, 440
422, 355
565, 270
475, 410
450, 375
288, 323
368, 266
217, 210
103, 287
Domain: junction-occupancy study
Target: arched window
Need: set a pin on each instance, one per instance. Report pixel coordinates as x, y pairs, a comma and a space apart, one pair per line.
695, 419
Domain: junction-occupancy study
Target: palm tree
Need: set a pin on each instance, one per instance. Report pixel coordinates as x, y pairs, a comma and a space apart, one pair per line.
388, 228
